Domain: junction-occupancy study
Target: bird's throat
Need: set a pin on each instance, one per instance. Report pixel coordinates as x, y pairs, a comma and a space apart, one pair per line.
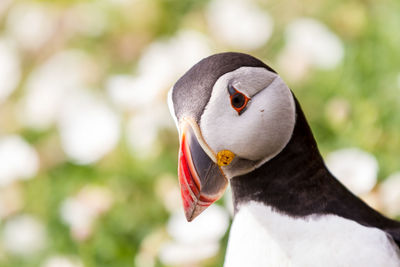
290, 181
297, 183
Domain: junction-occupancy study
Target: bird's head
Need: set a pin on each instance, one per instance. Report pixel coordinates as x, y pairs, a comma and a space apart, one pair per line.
233, 114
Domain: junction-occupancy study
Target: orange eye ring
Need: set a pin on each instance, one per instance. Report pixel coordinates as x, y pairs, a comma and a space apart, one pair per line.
238, 100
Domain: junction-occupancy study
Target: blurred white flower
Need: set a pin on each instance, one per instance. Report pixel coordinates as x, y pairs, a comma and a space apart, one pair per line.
142, 130
167, 189
355, 168
159, 66
18, 160
389, 192
309, 42
78, 216
88, 128
62, 261
210, 226
80, 211
50, 84
294, 64
239, 23
24, 235
31, 25
197, 240
129, 92
192, 242
171, 58
149, 247
10, 72
178, 254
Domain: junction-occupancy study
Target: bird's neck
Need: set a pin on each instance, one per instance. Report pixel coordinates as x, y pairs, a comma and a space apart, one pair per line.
297, 183
289, 182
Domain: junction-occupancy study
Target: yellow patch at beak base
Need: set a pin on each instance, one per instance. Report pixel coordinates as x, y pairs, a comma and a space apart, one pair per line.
225, 157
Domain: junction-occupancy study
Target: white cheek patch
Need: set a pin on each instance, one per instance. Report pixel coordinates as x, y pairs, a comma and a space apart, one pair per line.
266, 126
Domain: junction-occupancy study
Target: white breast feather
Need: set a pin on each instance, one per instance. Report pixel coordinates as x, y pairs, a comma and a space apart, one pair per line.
263, 237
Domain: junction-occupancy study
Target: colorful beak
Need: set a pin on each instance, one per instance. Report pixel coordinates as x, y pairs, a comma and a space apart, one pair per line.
201, 179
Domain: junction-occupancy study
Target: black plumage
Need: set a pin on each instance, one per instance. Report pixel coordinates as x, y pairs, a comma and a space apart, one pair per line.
296, 182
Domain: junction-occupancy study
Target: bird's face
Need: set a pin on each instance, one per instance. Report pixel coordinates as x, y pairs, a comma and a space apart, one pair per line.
228, 125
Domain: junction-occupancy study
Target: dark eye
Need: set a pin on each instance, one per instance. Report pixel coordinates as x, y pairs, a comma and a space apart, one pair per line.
238, 100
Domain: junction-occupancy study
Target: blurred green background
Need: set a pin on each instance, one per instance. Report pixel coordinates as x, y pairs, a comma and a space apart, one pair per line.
88, 151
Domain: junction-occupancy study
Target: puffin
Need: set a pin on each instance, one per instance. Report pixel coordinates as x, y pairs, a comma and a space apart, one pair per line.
240, 124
